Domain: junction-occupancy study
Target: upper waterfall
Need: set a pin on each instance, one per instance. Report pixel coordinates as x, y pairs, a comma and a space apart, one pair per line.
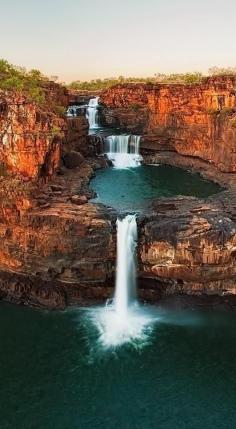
92, 113
123, 150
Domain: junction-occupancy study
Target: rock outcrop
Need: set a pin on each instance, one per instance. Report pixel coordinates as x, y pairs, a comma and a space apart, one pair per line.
195, 120
29, 141
55, 247
189, 245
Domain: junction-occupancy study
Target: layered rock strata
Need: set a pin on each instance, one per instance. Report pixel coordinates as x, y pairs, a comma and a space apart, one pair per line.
58, 249
195, 120
55, 247
189, 245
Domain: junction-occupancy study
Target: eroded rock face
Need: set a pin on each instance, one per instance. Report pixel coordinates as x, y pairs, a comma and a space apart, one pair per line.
189, 246
186, 246
197, 120
56, 249
30, 138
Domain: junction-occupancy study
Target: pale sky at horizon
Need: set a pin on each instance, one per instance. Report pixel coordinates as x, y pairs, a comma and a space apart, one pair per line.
79, 39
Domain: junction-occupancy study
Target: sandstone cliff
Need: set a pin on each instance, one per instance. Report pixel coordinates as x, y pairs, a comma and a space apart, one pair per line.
55, 247
31, 134
189, 245
196, 120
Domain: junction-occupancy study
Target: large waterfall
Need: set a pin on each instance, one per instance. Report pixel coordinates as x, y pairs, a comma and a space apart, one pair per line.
125, 292
123, 150
123, 319
92, 113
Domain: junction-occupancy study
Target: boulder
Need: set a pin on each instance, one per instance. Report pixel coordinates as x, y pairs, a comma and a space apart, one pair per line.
72, 159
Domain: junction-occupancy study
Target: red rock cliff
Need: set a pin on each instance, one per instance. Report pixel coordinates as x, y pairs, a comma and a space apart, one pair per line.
56, 249
30, 135
197, 120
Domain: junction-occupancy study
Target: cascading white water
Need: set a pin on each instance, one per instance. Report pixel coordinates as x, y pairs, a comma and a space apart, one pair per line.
92, 113
76, 110
123, 150
125, 292
122, 319
71, 111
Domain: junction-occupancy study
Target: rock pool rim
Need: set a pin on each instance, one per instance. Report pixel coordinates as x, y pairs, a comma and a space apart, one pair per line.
228, 301
142, 213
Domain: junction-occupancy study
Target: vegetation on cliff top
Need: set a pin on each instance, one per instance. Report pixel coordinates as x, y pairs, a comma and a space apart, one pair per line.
180, 78
33, 84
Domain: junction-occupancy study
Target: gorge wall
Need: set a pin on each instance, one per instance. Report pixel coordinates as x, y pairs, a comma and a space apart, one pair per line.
189, 245
186, 245
196, 120
55, 247
58, 249
30, 134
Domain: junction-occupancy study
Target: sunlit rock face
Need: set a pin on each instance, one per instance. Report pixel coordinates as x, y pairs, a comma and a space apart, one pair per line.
24, 150
30, 135
55, 248
197, 120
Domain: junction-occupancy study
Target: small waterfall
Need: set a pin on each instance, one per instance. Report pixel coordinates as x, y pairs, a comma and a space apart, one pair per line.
125, 292
72, 111
92, 113
123, 150
76, 110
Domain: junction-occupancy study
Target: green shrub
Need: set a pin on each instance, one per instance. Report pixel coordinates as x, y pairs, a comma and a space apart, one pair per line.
56, 131
58, 109
33, 84
101, 84
18, 79
12, 83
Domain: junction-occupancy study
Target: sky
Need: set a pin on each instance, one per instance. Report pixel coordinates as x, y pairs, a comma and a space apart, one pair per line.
89, 39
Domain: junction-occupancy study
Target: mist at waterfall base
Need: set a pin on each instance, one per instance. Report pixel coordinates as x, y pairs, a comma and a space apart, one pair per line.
185, 377
123, 319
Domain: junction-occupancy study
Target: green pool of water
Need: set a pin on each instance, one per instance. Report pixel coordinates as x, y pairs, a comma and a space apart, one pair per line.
54, 375
135, 188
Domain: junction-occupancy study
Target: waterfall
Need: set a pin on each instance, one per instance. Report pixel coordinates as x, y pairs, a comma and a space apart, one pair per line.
92, 113
125, 292
123, 320
72, 111
123, 150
